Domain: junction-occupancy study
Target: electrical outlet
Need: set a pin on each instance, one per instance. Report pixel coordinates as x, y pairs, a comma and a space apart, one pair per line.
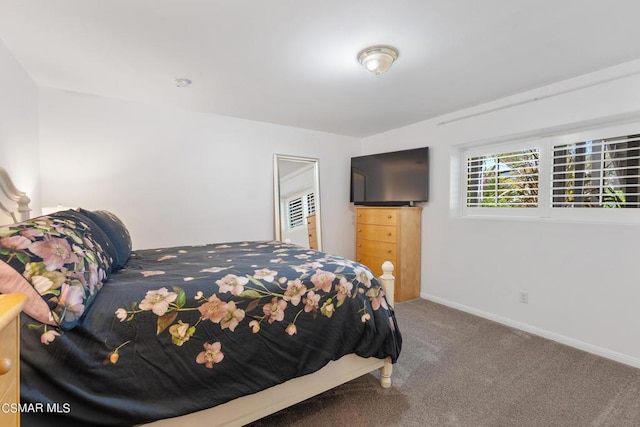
524, 297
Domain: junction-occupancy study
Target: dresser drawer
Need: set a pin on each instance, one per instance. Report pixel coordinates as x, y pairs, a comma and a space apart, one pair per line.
9, 351
380, 233
312, 234
313, 240
378, 249
374, 263
10, 306
311, 221
377, 216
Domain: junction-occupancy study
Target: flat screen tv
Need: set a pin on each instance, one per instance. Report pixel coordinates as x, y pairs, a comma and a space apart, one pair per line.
391, 179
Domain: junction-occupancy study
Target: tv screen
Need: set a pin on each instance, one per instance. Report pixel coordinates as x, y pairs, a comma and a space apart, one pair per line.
389, 179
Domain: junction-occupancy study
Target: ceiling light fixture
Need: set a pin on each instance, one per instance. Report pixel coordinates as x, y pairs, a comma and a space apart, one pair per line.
377, 59
182, 82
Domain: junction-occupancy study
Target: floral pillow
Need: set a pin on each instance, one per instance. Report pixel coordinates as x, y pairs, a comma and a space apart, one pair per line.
115, 231
58, 261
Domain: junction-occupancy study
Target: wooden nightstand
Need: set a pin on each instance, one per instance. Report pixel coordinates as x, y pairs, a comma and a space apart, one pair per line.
10, 307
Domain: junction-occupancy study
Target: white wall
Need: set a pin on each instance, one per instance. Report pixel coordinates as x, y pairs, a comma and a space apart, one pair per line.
19, 126
179, 177
575, 294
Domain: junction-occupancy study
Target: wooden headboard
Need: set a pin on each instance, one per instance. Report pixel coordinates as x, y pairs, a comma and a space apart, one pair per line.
14, 204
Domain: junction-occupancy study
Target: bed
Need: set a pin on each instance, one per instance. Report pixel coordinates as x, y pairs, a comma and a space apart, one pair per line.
218, 334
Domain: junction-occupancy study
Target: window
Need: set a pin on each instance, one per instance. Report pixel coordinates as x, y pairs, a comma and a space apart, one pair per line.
504, 180
311, 204
298, 208
558, 176
597, 174
294, 213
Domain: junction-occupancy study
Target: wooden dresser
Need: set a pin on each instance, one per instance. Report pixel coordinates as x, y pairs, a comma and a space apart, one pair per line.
10, 307
391, 234
313, 232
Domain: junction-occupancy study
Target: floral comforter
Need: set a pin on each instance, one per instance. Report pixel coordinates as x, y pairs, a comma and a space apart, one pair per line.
183, 329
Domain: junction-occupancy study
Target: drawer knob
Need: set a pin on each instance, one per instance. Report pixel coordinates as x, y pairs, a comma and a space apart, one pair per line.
5, 365
359, 230
389, 234
388, 251
389, 216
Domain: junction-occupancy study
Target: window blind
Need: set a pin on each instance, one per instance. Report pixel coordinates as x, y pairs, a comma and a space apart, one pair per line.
597, 174
300, 207
503, 180
311, 204
295, 213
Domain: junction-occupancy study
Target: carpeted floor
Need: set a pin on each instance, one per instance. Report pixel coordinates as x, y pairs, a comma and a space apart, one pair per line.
460, 370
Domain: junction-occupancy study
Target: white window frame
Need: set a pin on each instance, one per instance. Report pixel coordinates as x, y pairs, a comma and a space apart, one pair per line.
498, 149
545, 210
631, 215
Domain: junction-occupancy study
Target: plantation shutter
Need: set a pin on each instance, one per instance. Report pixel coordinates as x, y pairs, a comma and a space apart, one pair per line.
503, 180
597, 173
295, 213
300, 207
311, 204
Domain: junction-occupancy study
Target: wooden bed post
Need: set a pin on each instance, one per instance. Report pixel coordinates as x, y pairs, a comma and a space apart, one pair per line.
23, 207
388, 281
11, 192
388, 284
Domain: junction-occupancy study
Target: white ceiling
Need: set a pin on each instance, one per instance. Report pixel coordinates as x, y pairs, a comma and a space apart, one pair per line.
293, 62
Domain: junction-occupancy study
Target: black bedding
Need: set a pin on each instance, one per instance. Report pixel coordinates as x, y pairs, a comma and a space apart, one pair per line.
183, 329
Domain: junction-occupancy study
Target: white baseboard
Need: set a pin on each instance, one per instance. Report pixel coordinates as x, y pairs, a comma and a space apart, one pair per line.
590, 348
